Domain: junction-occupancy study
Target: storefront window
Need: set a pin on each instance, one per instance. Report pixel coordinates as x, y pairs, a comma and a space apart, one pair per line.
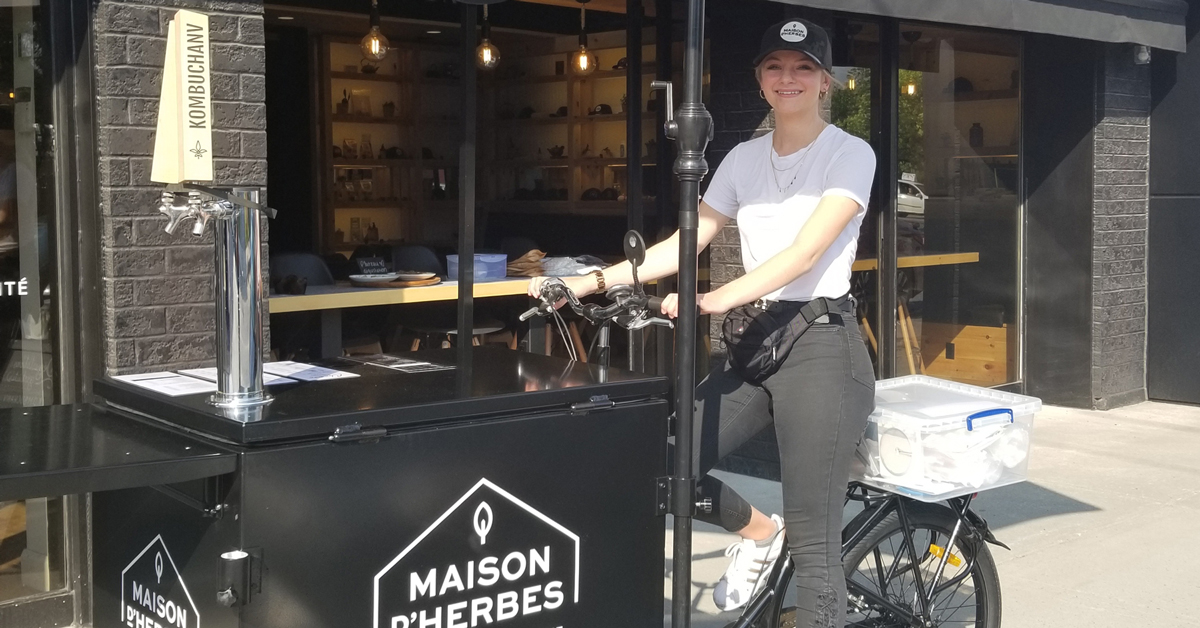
958, 209
31, 531
31, 534
853, 106
26, 263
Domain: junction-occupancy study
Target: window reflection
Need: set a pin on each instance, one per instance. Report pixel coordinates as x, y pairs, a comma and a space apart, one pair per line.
31, 536
26, 177
958, 208
31, 531
853, 106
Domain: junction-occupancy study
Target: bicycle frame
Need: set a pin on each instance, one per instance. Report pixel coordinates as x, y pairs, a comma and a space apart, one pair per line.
879, 505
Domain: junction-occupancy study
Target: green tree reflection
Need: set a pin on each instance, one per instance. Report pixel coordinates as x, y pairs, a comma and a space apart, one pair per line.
850, 109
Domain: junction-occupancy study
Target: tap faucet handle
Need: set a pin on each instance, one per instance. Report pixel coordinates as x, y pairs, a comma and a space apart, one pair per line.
201, 222
174, 211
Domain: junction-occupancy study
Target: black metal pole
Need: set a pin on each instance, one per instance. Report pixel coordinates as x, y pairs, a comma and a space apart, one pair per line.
466, 191
664, 347
692, 131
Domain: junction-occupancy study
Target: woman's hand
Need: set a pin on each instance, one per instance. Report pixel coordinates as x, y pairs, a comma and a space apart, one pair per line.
709, 303
670, 305
712, 303
581, 286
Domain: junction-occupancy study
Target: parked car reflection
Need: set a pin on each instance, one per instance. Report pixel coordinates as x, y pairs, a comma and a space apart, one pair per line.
911, 198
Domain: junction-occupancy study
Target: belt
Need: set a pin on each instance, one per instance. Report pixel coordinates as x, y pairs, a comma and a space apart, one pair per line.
830, 304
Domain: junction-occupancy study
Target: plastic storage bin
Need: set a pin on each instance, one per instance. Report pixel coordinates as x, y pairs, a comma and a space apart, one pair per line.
487, 266
933, 439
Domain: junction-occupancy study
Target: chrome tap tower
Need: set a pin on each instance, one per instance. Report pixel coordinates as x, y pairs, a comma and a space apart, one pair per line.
183, 153
239, 285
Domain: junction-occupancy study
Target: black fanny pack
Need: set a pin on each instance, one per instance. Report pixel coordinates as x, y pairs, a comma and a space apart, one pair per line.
759, 339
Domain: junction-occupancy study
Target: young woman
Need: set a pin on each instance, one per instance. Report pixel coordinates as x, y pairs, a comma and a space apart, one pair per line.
799, 195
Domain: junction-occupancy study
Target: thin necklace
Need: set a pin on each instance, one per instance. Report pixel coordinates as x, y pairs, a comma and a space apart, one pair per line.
775, 170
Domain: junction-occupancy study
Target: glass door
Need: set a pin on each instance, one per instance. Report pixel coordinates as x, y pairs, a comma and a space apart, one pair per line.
853, 105
31, 531
958, 205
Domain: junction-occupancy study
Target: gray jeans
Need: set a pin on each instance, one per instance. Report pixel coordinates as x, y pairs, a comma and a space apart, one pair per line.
818, 401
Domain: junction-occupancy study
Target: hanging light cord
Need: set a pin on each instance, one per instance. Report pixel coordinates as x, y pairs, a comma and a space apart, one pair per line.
583, 22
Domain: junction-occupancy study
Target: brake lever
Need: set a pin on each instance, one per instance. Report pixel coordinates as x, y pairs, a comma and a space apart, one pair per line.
641, 321
530, 313
660, 321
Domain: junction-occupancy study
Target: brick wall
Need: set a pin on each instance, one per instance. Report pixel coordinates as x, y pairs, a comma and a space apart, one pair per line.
739, 114
1121, 205
158, 288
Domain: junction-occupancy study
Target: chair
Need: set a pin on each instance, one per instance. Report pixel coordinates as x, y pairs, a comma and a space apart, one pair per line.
416, 257
862, 288
306, 265
361, 327
429, 320
341, 267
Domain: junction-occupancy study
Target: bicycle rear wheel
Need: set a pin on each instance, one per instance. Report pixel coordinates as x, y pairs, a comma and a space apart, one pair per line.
966, 595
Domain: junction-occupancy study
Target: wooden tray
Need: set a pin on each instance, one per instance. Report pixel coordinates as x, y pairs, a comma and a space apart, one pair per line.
399, 284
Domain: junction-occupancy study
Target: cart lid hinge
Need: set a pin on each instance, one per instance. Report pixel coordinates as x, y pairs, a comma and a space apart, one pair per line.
677, 496
596, 402
211, 507
354, 433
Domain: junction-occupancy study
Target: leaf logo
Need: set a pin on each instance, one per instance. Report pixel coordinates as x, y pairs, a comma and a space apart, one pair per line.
483, 521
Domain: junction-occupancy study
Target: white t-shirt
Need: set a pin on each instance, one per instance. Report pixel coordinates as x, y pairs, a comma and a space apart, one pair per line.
747, 186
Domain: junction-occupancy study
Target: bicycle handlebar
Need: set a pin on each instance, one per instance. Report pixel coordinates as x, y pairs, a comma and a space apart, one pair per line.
630, 308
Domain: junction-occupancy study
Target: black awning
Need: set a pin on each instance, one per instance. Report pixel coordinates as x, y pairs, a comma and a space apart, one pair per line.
1155, 23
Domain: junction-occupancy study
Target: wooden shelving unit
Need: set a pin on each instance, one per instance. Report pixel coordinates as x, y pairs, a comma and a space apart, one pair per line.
424, 124
515, 151
396, 194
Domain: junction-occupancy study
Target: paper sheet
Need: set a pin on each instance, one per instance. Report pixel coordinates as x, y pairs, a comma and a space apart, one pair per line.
404, 365
304, 372
170, 384
210, 374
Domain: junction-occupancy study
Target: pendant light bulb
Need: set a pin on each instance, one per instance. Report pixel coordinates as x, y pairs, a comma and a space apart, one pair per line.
583, 61
374, 45
487, 55
912, 89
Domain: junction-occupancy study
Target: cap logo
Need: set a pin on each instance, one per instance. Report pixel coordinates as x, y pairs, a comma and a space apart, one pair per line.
793, 32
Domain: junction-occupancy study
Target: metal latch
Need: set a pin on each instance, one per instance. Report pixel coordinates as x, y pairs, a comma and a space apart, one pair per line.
355, 432
677, 496
210, 505
597, 402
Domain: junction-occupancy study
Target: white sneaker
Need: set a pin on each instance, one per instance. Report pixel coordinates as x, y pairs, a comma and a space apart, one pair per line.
747, 572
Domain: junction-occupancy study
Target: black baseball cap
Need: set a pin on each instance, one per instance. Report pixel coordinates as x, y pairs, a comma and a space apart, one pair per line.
801, 36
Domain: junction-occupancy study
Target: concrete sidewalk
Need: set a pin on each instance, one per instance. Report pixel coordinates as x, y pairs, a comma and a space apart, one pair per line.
1103, 535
